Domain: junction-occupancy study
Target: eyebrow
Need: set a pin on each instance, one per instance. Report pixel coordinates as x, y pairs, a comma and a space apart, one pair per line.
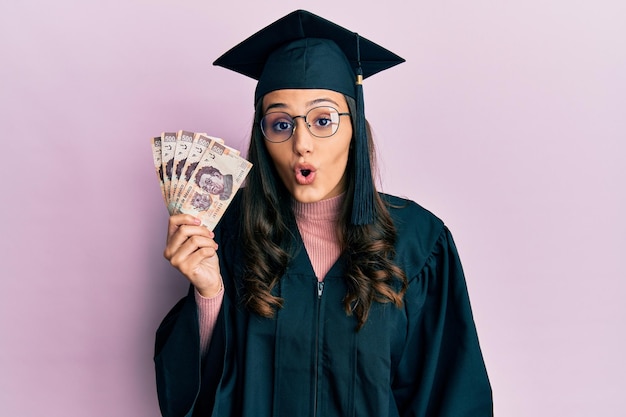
308, 104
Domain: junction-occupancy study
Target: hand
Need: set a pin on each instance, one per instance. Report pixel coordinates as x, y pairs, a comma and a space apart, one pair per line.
191, 249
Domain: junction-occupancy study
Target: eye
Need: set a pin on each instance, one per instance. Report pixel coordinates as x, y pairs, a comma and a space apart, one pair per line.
281, 125
278, 122
322, 121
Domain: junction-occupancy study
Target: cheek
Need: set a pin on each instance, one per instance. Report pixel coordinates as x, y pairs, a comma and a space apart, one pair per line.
279, 154
342, 152
280, 157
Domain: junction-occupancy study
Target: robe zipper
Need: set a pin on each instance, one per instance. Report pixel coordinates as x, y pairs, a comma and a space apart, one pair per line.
320, 290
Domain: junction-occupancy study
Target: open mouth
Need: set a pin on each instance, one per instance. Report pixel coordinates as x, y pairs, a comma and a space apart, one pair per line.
305, 175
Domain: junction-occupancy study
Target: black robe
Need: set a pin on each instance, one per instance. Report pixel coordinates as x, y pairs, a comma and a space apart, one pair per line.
420, 360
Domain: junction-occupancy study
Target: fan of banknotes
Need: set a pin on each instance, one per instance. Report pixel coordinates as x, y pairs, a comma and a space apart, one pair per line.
199, 174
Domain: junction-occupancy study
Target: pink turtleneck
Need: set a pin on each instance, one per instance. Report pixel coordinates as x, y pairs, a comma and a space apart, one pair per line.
317, 223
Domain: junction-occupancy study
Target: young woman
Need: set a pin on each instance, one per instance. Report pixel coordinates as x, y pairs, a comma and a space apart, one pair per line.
324, 297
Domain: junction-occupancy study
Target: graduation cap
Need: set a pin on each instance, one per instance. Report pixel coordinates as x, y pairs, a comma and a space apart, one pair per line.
303, 50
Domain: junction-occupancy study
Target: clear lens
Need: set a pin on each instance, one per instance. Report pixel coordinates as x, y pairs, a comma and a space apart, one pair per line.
322, 122
277, 127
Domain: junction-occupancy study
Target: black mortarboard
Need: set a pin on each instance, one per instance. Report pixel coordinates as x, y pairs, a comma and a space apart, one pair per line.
302, 50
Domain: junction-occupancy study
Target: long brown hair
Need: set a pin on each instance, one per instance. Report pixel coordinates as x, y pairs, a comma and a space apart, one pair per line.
268, 224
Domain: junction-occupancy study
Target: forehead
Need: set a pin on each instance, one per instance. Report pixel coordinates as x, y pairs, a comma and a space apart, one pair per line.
302, 99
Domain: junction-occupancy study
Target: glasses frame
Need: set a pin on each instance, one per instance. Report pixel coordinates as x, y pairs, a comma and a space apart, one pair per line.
306, 122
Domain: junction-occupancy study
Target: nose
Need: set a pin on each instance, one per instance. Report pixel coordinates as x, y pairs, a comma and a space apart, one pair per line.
302, 137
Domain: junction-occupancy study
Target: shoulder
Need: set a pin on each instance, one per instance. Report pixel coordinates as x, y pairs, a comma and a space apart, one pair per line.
418, 231
408, 214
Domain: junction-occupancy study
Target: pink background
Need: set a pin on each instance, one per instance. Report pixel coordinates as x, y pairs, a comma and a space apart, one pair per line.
508, 121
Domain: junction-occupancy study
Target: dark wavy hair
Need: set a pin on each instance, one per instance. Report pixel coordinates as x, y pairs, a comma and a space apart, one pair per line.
268, 224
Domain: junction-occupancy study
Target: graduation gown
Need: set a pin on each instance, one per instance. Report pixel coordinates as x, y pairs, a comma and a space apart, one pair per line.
420, 360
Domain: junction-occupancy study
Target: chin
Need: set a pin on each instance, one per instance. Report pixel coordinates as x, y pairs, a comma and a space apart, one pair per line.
308, 196
312, 196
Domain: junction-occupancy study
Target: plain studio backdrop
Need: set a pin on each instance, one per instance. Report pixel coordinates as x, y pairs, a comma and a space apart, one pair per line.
508, 121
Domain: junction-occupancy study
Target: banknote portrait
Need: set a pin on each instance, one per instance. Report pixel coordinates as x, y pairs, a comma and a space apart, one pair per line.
211, 180
201, 202
168, 168
178, 172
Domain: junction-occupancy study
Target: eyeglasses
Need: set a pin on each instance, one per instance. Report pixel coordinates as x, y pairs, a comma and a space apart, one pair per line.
322, 122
